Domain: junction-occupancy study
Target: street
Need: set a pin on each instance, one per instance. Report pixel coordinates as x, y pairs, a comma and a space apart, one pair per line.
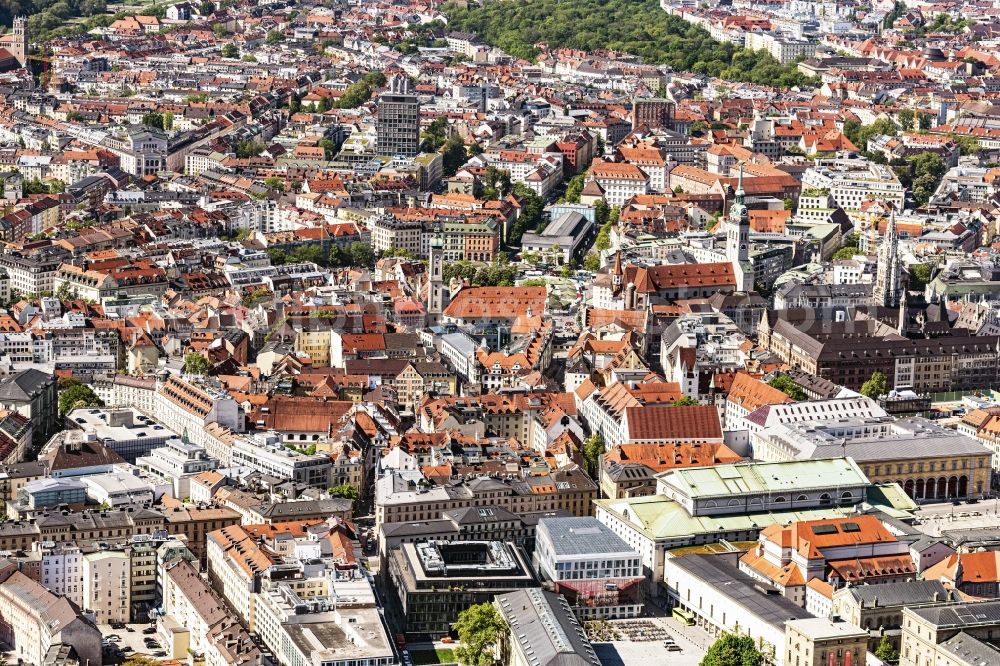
933, 519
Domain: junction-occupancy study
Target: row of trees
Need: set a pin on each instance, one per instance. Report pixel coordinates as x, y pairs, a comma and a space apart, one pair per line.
639, 27
438, 138
356, 254
500, 273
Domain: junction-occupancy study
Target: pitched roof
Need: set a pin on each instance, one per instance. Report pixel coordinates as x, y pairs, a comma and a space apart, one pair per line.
751, 393
497, 302
666, 422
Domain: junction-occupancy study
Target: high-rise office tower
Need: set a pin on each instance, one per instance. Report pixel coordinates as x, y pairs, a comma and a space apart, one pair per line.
398, 119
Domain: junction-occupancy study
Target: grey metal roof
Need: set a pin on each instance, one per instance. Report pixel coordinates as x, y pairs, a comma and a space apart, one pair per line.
542, 624
581, 536
745, 593
970, 650
899, 594
985, 613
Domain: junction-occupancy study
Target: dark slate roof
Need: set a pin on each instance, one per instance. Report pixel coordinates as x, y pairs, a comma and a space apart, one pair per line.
900, 594
23, 385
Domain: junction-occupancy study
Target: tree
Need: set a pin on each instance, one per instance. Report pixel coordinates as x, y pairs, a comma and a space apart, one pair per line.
168, 120
496, 183
574, 187
230, 50
362, 254
258, 295
346, 491
249, 148
196, 364
845, 253
219, 30
876, 386
593, 449
733, 650
686, 401
927, 170
920, 275
277, 256
274, 37
905, 119
592, 262
532, 207
76, 396
206, 7
785, 384
453, 155
435, 135
64, 292
885, 651
480, 629
329, 148
967, 145
859, 134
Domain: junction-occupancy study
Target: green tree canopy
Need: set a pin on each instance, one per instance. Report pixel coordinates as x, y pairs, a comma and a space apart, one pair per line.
453, 155
845, 253
77, 395
885, 651
639, 27
153, 119
346, 491
362, 254
593, 449
920, 275
574, 187
196, 364
480, 629
876, 386
733, 650
785, 384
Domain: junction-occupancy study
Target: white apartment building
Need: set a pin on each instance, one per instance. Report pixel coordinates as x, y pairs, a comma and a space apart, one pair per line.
235, 566
266, 454
133, 392
35, 619
784, 49
619, 181
389, 232
187, 408
575, 549
107, 585
61, 569
852, 182
352, 633
30, 275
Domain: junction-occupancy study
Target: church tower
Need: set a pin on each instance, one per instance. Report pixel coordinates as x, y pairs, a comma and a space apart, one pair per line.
18, 45
738, 239
887, 276
435, 279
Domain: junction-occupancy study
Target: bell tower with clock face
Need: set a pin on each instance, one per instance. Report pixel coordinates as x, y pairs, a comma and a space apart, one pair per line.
435, 279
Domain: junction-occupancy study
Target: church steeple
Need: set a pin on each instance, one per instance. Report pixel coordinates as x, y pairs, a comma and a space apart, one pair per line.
887, 278
738, 237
